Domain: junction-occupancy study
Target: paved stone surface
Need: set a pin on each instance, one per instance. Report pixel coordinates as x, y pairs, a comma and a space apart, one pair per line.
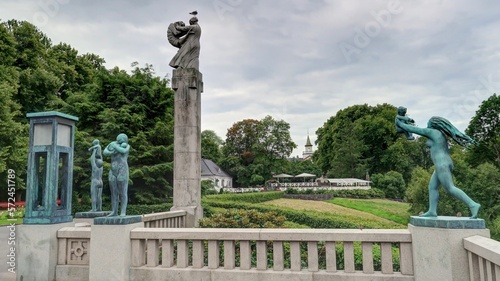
117, 220
5, 275
448, 222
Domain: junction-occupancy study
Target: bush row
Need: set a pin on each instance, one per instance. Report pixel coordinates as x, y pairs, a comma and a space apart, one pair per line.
312, 219
257, 197
347, 193
131, 209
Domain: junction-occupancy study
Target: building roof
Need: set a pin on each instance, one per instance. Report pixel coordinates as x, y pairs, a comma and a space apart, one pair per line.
209, 168
308, 142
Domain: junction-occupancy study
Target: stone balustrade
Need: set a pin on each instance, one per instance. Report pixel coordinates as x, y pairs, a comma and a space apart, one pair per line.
268, 254
172, 219
484, 258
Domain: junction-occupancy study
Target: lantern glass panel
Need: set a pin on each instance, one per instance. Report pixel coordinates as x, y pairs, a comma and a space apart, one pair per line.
42, 134
63, 135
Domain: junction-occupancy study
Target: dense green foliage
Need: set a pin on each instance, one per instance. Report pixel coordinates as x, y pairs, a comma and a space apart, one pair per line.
255, 149
362, 139
391, 183
36, 75
485, 128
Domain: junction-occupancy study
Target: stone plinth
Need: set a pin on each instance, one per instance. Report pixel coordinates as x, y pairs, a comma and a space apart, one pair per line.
188, 85
117, 220
37, 251
448, 222
438, 252
111, 251
88, 217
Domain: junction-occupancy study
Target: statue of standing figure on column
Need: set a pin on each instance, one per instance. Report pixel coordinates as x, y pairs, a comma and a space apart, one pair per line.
187, 39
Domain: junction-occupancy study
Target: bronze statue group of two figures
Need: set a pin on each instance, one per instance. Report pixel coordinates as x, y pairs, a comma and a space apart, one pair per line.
118, 175
437, 131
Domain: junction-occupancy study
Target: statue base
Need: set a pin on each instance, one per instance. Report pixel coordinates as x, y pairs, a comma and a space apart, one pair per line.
117, 220
448, 222
90, 214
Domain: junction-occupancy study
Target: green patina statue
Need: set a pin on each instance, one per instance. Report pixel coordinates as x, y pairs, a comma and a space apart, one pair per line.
119, 173
405, 119
96, 184
437, 130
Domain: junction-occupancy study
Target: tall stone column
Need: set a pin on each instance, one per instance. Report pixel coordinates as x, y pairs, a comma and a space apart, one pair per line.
188, 86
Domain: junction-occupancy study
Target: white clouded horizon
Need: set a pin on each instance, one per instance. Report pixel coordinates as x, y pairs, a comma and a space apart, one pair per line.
283, 58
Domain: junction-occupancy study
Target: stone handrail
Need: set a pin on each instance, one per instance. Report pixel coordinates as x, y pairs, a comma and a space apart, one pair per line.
194, 254
484, 258
172, 219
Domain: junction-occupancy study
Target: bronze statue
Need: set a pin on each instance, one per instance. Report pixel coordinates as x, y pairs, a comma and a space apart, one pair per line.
96, 184
187, 39
119, 173
437, 130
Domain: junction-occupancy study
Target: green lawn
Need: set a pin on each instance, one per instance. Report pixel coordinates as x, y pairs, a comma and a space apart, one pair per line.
8, 222
391, 210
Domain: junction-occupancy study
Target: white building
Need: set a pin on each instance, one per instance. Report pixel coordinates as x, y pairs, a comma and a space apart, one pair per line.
210, 171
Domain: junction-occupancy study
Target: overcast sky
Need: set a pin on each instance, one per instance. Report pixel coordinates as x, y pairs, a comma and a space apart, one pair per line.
298, 60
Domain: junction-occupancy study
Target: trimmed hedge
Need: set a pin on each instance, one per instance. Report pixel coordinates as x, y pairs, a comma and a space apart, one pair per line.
345, 193
257, 197
131, 209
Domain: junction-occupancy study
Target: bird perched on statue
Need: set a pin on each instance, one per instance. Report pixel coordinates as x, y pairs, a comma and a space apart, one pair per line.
194, 13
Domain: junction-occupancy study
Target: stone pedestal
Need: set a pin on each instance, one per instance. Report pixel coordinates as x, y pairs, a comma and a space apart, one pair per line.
438, 251
37, 251
88, 217
111, 251
188, 86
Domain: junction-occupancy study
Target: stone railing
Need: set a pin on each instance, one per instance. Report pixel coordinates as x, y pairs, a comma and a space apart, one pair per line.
73, 253
269, 254
172, 219
484, 258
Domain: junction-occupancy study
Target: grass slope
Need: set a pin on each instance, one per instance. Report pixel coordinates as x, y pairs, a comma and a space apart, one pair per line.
326, 208
391, 210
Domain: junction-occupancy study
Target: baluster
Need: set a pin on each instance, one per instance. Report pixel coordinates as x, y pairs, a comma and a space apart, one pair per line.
229, 254
348, 257
167, 252
213, 254
312, 256
406, 258
138, 252
182, 253
481, 268
295, 263
245, 255
198, 254
331, 257
386, 256
367, 257
489, 273
261, 255
278, 256
152, 253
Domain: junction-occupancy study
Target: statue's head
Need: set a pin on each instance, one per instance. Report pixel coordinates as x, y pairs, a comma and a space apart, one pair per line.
401, 110
99, 163
122, 138
95, 142
193, 20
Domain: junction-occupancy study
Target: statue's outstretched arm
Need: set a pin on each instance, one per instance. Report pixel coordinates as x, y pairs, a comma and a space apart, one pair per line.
414, 129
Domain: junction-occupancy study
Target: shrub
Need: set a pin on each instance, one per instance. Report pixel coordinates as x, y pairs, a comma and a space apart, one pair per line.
239, 218
257, 197
346, 193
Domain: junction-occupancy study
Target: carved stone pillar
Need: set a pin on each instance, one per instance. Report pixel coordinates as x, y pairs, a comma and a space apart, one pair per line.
188, 86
